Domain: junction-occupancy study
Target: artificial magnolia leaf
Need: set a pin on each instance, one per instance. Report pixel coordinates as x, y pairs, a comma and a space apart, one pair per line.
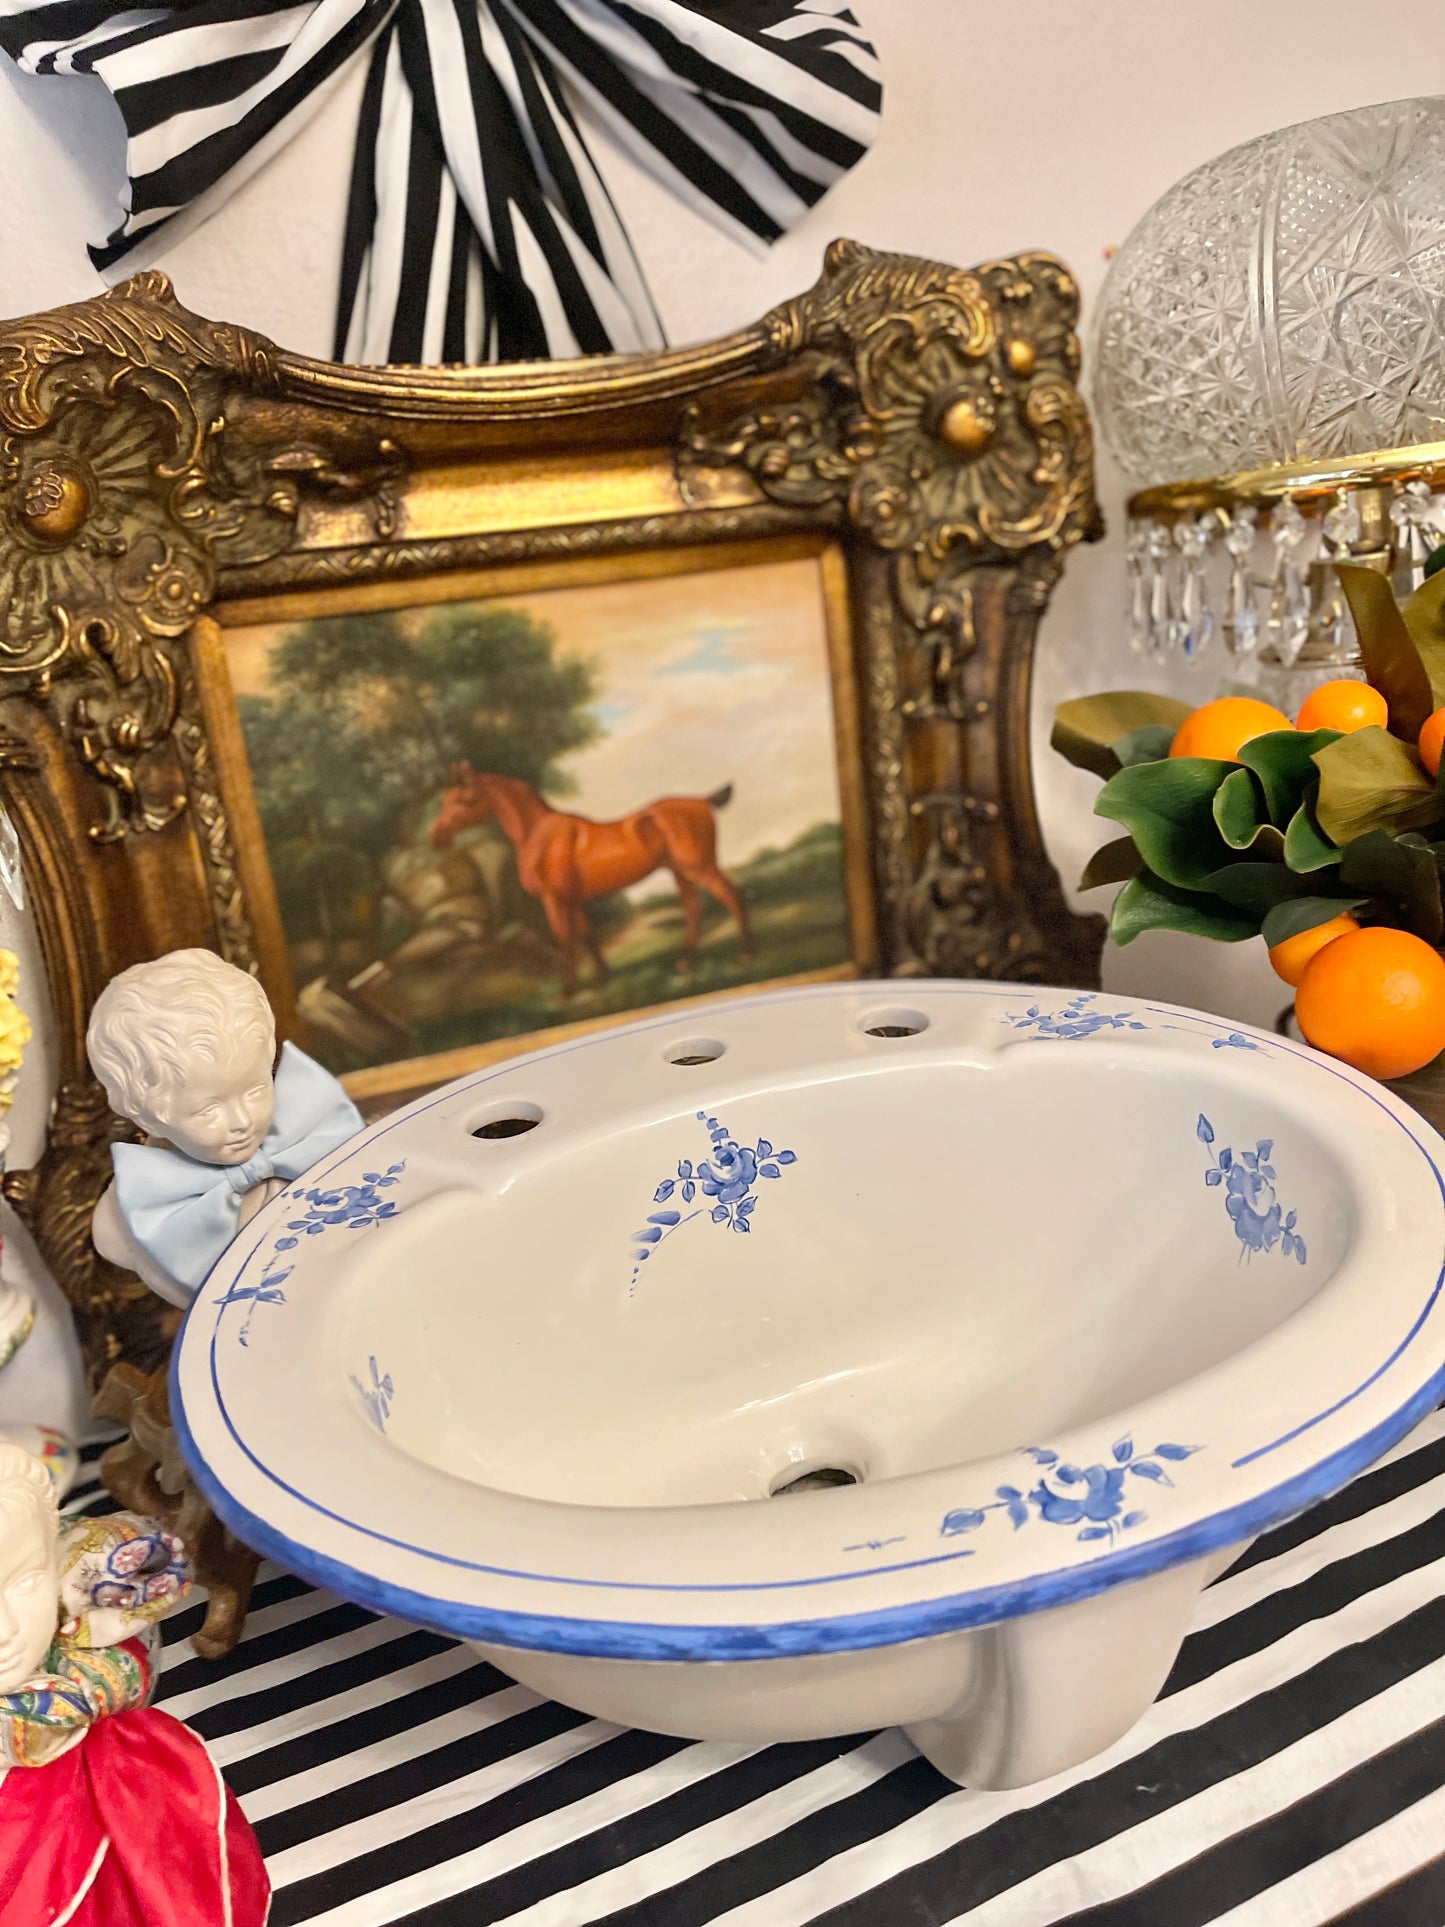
1147, 902
1147, 745
1296, 914
1282, 759
1424, 617
1402, 869
1168, 810
1238, 809
1086, 729
1305, 846
1115, 863
1256, 887
1392, 661
1369, 780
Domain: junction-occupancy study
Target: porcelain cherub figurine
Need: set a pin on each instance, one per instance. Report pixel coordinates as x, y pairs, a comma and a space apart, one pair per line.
184, 1047
17, 1305
79, 1604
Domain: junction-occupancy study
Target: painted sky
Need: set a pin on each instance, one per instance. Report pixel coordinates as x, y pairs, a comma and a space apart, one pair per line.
719, 677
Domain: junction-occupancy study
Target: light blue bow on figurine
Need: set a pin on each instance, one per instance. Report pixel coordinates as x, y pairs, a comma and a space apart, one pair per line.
184, 1212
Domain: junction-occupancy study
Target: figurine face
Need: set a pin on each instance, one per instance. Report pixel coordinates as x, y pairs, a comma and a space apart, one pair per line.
223, 1110
29, 1591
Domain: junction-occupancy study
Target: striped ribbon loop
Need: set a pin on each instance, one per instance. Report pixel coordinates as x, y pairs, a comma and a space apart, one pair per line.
478, 226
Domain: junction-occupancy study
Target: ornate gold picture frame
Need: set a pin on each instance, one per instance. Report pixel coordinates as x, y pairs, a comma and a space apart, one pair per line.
165, 480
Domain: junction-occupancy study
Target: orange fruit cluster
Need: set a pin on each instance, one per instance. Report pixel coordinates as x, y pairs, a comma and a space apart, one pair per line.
1373, 997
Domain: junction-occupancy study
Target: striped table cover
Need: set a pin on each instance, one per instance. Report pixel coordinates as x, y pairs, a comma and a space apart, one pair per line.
1291, 1773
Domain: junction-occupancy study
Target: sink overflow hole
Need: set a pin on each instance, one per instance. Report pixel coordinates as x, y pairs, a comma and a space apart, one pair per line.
506, 1127
817, 1480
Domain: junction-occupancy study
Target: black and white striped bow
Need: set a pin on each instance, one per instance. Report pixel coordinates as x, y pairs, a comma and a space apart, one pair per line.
478, 226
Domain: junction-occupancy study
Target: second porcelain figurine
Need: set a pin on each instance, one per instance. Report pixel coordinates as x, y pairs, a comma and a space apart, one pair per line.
112, 1813
184, 1047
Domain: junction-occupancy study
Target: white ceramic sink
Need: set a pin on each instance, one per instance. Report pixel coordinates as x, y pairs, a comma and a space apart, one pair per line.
832, 1358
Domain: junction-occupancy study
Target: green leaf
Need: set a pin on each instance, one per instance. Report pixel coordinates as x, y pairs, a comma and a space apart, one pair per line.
1086, 729
1147, 902
1238, 809
1116, 862
1435, 561
1392, 660
1295, 914
1150, 744
1424, 616
1305, 847
1168, 810
1369, 780
1402, 869
1283, 761
1255, 886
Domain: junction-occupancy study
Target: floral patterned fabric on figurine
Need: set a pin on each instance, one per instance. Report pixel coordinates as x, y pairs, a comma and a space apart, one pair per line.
113, 1814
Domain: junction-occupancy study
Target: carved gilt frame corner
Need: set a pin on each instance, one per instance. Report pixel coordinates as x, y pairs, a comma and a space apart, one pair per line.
155, 467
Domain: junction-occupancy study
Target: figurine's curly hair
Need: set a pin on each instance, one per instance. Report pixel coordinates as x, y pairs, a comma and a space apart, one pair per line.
152, 1021
25, 1487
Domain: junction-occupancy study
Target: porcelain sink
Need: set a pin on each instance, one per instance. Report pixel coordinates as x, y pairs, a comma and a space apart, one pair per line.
831, 1358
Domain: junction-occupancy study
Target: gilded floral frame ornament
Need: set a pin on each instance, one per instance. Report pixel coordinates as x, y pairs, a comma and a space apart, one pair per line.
157, 469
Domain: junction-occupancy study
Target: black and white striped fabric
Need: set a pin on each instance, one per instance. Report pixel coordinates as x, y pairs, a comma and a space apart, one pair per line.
478, 226
1292, 1773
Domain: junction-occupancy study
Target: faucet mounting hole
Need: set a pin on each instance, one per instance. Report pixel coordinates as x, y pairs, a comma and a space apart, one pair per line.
894, 1021
817, 1479
506, 1127
694, 1050
505, 1117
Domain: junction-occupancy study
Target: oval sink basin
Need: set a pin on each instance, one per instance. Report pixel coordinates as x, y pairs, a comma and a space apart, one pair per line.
831, 1358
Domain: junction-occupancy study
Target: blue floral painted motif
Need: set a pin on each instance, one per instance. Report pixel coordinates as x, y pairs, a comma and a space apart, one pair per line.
1076, 1019
1091, 1497
727, 1176
1255, 1212
376, 1396
1234, 1041
354, 1205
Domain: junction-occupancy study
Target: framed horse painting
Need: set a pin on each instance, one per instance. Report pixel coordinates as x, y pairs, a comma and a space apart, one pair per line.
468, 706
508, 802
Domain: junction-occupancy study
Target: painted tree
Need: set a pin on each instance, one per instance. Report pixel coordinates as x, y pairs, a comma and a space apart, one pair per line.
351, 745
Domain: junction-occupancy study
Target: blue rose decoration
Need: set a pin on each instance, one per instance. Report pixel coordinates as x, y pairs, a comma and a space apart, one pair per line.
730, 1173
1069, 1495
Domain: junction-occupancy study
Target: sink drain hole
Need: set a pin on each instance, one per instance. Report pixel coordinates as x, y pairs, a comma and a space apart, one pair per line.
816, 1480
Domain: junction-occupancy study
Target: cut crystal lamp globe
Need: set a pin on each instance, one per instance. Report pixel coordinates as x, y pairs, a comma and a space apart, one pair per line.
1283, 302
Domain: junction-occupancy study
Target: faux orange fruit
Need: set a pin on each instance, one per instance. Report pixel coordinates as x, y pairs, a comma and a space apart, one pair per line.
1432, 741
1292, 957
1221, 729
1375, 998
1343, 705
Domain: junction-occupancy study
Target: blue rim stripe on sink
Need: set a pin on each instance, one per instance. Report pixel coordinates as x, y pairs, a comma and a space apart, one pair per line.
640, 1640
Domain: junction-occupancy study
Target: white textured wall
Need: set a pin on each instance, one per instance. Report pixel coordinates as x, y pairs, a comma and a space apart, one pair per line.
1006, 127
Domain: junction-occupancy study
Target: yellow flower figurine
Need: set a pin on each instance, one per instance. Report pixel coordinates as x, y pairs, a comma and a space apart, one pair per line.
15, 1031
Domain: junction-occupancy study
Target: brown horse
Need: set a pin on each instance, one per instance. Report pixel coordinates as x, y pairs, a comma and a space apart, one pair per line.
564, 861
